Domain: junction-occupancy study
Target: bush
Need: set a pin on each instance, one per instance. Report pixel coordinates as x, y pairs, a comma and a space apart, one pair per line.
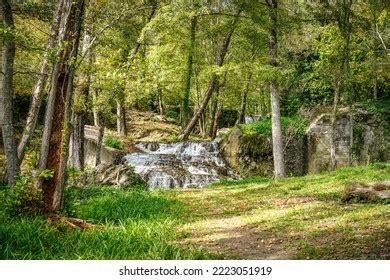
290, 125
24, 198
113, 143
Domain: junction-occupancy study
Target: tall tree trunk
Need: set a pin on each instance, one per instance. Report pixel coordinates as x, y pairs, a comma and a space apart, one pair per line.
160, 101
185, 110
277, 141
120, 118
40, 84
244, 96
79, 111
214, 110
55, 141
95, 110
345, 28
216, 120
6, 94
212, 85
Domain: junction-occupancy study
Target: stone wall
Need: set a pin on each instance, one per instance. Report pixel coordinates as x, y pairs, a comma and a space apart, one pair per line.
361, 138
107, 155
252, 154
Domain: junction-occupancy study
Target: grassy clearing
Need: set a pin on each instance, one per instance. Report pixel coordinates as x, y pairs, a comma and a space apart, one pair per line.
301, 218
295, 218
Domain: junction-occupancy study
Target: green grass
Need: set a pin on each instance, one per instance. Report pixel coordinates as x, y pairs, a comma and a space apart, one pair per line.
305, 214
113, 143
294, 125
136, 225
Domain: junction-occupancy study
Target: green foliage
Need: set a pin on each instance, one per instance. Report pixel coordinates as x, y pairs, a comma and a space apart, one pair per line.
113, 143
290, 125
46, 174
24, 198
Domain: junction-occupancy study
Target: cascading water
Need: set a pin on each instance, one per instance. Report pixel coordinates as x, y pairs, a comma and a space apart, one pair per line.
186, 164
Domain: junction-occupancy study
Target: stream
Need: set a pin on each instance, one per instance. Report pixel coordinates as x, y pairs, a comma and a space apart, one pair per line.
185, 164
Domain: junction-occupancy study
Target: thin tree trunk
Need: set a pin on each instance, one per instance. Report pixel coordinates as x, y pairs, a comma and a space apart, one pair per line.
94, 109
120, 118
38, 90
277, 141
185, 110
214, 110
100, 141
212, 85
55, 141
6, 95
215, 122
244, 95
160, 102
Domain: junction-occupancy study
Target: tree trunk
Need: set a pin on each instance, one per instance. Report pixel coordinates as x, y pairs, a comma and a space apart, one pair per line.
77, 138
120, 118
185, 110
95, 110
244, 96
6, 95
55, 141
215, 122
345, 28
100, 141
160, 102
38, 90
212, 85
277, 141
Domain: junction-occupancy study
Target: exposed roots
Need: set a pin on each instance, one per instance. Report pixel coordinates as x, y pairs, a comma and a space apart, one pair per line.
72, 222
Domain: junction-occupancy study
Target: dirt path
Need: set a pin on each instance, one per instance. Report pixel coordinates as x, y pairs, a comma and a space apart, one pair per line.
233, 238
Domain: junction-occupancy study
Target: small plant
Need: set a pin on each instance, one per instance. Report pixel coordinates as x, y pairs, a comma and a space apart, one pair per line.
24, 198
174, 138
113, 143
46, 174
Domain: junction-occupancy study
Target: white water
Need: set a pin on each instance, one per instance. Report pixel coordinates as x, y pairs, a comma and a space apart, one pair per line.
252, 118
187, 164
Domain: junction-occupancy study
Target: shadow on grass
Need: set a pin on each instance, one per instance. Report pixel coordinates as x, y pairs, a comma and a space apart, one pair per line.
107, 205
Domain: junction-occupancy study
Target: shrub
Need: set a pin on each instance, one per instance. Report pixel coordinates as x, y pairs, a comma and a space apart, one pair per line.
24, 198
290, 125
113, 143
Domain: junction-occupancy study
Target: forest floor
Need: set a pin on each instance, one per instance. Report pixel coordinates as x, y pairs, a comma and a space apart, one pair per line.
255, 218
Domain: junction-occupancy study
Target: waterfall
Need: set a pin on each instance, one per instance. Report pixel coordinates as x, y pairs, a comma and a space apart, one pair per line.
186, 164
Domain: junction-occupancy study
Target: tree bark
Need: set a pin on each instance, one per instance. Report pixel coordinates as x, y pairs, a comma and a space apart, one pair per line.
120, 118
244, 97
212, 85
277, 141
345, 28
40, 84
100, 141
6, 94
55, 141
185, 110
77, 138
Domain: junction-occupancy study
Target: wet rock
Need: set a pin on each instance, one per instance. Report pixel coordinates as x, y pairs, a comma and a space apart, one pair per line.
366, 192
121, 175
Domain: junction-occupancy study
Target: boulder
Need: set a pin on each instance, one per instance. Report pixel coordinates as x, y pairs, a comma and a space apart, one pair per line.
366, 192
116, 175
